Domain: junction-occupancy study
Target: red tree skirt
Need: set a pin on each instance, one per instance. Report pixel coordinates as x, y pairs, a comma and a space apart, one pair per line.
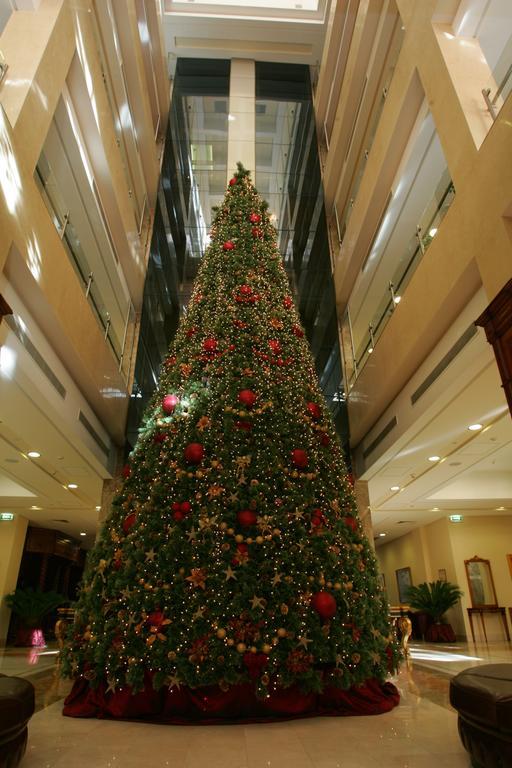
210, 705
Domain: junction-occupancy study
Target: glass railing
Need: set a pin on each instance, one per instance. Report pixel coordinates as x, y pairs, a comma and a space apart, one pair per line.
122, 348
357, 352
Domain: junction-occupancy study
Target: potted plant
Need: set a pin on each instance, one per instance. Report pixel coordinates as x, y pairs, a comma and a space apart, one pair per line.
31, 606
434, 599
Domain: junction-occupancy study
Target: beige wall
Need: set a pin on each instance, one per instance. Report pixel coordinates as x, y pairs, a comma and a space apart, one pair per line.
405, 552
445, 545
12, 540
489, 538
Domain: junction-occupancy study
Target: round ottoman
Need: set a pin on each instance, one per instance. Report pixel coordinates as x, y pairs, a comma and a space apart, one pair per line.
16, 709
482, 697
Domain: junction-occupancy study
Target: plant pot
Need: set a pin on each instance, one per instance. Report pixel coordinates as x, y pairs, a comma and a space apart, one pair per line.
440, 633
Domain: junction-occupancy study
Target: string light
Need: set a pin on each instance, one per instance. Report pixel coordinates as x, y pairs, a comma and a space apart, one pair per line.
177, 587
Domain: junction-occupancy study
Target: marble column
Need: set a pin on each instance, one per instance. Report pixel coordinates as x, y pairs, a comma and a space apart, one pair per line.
363, 508
242, 110
12, 541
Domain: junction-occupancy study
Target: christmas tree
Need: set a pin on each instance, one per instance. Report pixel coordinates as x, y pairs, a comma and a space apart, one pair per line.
233, 562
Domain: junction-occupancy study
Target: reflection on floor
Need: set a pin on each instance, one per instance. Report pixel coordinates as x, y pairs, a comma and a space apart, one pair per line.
421, 732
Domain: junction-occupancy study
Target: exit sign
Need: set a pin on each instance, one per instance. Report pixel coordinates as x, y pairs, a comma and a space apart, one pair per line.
6, 516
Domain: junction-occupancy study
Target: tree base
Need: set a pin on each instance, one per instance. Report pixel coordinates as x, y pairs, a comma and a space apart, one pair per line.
239, 704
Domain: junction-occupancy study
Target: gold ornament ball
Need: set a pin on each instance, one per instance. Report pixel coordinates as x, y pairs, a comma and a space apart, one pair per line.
230, 641
337, 585
281, 632
239, 538
266, 648
253, 649
223, 526
221, 634
241, 647
250, 540
259, 539
231, 531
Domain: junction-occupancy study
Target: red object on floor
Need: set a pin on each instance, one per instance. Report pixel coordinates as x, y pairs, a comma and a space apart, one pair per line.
210, 705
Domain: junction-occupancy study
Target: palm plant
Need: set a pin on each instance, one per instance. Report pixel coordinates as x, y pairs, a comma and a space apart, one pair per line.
32, 605
434, 598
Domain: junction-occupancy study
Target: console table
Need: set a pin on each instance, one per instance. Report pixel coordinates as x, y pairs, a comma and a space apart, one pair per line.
480, 612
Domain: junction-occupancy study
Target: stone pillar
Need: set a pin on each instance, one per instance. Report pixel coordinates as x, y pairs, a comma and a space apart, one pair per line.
363, 508
12, 541
242, 111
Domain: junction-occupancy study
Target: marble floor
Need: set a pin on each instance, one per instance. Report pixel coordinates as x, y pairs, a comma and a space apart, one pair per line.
420, 732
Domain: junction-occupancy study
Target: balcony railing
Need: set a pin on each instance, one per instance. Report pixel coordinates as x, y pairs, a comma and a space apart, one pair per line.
356, 354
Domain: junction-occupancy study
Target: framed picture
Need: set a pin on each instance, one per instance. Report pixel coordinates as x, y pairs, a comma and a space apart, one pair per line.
509, 561
404, 581
441, 574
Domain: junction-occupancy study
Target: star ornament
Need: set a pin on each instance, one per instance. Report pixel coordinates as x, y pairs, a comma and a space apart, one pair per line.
199, 614
197, 577
173, 681
111, 688
304, 641
230, 574
150, 555
258, 602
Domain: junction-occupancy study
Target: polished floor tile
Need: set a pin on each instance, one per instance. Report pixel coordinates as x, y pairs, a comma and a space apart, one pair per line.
420, 733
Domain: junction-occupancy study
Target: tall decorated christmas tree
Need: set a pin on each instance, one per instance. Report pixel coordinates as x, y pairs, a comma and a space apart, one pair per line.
232, 577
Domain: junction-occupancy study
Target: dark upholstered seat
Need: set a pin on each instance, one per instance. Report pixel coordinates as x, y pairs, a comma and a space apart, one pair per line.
16, 709
482, 697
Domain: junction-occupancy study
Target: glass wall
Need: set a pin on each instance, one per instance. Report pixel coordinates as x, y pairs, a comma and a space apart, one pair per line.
194, 174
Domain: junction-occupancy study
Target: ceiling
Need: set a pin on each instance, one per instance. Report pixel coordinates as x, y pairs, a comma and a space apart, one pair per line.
473, 475
263, 30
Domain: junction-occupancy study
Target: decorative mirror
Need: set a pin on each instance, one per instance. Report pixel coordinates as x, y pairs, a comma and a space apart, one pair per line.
481, 584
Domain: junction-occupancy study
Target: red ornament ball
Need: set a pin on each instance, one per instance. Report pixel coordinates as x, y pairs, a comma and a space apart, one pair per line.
232, 182
247, 517
186, 507
210, 345
194, 453
325, 439
129, 522
159, 437
300, 458
324, 604
351, 523
255, 218
126, 471
297, 331
314, 410
245, 290
287, 302
178, 515
256, 232
228, 245
247, 398
169, 403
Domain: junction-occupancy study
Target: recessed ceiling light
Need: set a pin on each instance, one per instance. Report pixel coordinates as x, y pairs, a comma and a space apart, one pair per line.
34, 507
33, 454
475, 427
433, 232
499, 509
72, 486
83, 533
434, 458
435, 509
370, 350
397, 299
382, 534
395, 488
98, 509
